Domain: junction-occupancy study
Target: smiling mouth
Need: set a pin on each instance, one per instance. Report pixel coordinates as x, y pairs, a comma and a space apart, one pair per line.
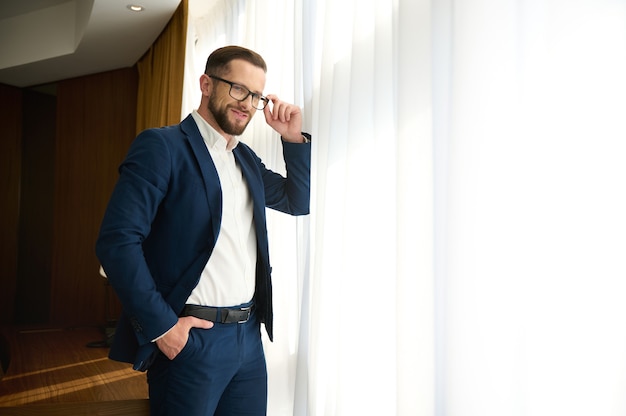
240, 115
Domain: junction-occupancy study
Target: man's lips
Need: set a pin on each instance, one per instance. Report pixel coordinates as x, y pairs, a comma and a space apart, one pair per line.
240, 115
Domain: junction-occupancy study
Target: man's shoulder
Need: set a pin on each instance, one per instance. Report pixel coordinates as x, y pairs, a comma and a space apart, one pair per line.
172, 133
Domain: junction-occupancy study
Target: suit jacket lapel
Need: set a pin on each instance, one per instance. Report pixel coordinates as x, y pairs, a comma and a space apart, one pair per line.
246, 161
208, 171
263, 292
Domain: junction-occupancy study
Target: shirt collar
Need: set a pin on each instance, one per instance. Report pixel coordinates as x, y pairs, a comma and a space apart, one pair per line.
211, 137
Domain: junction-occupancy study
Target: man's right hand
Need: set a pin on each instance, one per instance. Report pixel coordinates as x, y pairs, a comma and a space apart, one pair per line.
174, 340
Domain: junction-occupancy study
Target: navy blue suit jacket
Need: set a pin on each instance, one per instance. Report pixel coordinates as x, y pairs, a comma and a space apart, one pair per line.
162, 222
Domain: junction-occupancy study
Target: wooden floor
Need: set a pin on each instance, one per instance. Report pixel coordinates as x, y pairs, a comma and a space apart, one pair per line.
52, 368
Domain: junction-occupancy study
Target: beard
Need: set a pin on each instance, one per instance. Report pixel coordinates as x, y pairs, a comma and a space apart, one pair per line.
222, 120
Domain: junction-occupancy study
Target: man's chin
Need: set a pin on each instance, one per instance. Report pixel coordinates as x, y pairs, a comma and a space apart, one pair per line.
235, 129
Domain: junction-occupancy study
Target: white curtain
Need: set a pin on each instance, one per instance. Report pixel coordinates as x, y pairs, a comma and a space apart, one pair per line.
371, 340
531, 103
465, 254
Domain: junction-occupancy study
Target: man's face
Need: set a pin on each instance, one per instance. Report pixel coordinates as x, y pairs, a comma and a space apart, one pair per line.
233, 116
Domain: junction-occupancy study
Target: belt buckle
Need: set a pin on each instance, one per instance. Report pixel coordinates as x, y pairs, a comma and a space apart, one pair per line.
246, 309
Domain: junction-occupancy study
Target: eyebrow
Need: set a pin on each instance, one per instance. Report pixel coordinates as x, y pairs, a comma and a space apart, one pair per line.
246, 87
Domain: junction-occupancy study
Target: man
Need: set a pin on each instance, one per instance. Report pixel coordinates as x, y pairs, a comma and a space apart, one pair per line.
184, 244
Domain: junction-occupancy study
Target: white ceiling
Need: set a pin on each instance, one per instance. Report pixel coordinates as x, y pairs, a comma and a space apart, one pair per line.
43, 41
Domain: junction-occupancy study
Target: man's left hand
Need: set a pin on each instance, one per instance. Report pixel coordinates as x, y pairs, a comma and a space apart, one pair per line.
285, 118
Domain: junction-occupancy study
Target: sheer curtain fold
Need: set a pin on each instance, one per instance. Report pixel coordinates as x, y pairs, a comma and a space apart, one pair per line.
532, 323
372, 238
161, 73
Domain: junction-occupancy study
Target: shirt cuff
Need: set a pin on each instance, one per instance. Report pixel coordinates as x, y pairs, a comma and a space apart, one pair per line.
162, 335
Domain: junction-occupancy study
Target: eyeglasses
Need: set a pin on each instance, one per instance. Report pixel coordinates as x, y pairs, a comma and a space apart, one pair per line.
241, 93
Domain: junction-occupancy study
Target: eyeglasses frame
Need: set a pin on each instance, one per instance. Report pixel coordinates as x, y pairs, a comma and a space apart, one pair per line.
261, 99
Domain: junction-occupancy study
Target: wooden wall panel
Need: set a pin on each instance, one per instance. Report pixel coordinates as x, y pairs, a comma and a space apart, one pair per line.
95, 126
36, 208
10, 167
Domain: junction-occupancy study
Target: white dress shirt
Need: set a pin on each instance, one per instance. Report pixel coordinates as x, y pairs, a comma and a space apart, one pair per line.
228, 279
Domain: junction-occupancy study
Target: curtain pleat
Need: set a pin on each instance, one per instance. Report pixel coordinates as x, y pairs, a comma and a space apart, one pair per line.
161, 72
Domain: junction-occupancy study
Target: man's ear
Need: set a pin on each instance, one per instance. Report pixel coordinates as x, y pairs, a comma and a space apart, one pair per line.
206, 85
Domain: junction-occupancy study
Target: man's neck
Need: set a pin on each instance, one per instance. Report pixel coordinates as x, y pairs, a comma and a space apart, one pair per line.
208, 117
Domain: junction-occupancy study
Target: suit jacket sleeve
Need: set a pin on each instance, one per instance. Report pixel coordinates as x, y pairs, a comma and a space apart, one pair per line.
142, 185
290, 195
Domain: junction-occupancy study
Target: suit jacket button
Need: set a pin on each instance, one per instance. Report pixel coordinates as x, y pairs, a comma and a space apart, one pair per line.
136, 325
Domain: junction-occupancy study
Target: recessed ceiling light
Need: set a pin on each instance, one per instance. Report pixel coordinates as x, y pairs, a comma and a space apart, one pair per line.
135, 7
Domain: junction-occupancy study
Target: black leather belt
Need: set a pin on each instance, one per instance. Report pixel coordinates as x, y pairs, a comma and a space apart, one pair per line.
226, 315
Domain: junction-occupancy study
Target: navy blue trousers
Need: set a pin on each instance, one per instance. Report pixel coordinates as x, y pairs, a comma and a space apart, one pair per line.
220, 372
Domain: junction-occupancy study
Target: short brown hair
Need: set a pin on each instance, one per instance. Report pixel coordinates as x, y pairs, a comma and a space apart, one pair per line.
219, 60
